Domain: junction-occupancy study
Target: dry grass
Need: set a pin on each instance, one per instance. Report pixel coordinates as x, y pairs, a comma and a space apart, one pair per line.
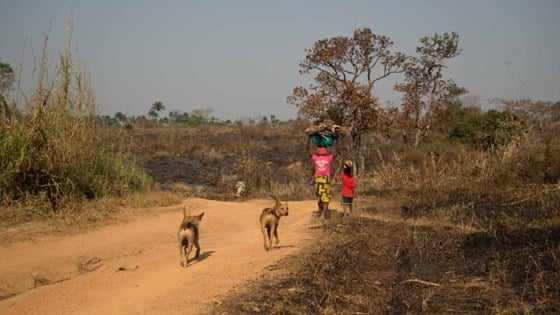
510, 187
267, 157
383, 266
77, 217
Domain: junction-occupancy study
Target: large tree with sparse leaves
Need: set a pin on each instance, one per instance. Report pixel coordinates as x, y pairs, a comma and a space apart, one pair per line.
346, 70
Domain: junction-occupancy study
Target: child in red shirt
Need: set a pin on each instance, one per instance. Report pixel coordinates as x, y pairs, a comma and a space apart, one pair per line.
348, 186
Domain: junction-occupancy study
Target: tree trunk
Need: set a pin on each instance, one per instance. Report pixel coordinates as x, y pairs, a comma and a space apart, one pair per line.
417, 137
356, 140
357, 150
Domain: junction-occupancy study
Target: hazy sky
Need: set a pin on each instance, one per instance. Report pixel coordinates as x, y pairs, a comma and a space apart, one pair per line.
240, 58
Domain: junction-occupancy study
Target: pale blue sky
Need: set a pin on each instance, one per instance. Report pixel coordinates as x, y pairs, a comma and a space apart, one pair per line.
240, 58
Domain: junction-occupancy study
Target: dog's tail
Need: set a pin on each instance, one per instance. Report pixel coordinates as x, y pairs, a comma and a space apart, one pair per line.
190, 220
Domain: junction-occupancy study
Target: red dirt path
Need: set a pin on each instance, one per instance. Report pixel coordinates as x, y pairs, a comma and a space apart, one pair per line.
134, 268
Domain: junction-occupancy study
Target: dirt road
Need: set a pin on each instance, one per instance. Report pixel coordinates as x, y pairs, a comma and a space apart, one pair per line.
134, 268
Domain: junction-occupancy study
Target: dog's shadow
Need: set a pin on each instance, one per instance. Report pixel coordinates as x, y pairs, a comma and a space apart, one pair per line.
282, 246
201, 257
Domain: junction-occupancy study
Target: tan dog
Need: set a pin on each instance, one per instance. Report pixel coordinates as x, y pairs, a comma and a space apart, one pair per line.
188, 236
270, 218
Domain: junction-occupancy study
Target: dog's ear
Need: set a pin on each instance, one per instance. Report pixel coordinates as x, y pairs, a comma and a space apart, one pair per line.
200, 216
278, 202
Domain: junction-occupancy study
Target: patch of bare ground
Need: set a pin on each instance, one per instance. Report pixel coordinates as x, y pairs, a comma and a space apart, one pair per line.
378, 263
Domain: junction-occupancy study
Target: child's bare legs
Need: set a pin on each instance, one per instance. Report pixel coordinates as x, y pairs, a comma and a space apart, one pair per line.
347, 209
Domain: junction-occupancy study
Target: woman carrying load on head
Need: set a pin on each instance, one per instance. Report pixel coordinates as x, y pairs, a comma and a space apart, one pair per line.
322, 161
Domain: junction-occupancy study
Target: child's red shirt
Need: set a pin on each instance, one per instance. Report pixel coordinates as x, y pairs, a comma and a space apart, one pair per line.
348, 185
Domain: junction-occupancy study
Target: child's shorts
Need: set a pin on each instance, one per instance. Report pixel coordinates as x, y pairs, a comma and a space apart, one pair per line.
347, 201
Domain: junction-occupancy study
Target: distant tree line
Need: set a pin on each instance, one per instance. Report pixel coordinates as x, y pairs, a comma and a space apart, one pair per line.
196, 117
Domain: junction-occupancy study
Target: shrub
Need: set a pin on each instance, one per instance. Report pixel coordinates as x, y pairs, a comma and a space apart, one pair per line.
54, 152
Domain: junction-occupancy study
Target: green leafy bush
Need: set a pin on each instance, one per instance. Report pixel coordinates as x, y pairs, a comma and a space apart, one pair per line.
52, 150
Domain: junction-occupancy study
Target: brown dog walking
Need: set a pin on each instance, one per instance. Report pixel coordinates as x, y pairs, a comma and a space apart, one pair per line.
269, 219
188, 236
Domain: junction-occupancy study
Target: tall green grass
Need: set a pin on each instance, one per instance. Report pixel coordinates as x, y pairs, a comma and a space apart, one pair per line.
53, 152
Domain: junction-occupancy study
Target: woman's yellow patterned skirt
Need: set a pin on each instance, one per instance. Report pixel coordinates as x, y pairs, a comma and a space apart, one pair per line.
323, 188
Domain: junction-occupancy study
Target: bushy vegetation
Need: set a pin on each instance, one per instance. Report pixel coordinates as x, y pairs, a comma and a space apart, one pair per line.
51, 152
513, 181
